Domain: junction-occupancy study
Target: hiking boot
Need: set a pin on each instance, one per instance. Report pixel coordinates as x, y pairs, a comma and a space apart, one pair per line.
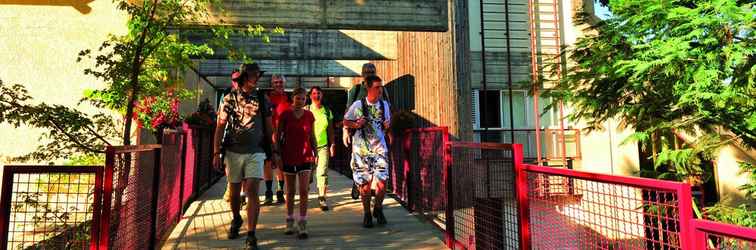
280, 197
251, 243
289, 227
302, 228
233, 232
355, 192
322, 203
367, 220
268, 198
379, 217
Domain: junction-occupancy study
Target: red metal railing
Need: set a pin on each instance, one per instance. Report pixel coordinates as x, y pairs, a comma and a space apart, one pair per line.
713, 235
148, 187
50, 207
485, 197
129, 199
132, 203
600, 211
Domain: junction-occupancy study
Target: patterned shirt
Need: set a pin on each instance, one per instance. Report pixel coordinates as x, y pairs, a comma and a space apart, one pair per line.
245, 122
370, 139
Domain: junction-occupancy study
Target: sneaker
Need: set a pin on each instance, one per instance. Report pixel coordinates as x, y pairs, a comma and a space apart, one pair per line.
355, 192
289, 227
233, 232
251, 243
280, 197
302, 227
367, 220
322, 203
268, 198
379, 217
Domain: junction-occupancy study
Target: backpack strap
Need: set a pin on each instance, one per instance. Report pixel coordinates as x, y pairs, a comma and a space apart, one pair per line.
380, 106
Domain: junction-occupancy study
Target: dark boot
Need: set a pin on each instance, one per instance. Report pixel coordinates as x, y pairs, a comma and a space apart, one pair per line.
379, 217
355, 191
280, 197
367, 221
268, 198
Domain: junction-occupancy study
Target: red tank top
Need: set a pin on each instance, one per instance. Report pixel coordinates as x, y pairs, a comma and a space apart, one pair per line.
297, 147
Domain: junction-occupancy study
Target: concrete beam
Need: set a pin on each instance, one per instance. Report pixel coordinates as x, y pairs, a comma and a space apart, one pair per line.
315, 45
400, 15
337, 68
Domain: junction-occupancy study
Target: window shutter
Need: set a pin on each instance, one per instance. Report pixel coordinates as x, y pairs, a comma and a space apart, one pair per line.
476, 109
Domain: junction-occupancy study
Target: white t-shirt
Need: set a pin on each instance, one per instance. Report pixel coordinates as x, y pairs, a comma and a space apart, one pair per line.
370, 139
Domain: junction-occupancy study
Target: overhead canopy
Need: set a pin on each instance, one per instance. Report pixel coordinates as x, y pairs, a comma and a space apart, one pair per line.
221, 67
314, 45
400, 15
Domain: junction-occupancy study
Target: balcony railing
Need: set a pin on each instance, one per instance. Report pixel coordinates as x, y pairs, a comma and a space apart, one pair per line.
551, 142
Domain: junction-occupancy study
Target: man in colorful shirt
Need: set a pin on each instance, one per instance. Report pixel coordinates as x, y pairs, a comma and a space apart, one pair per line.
324, 137
280, 103
370, 117
249, 124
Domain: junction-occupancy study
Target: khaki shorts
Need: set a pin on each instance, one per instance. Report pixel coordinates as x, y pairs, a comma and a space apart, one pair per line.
244, 166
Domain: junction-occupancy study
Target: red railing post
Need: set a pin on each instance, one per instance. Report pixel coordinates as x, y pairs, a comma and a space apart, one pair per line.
449, 179
521, 191
107, 197
5, 210
407, 172
155, 199
97, 209
686, 215
699, 237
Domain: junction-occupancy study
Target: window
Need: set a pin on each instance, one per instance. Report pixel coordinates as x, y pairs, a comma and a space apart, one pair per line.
497, 110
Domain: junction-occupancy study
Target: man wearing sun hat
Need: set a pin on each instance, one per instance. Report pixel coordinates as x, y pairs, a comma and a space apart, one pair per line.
248, 115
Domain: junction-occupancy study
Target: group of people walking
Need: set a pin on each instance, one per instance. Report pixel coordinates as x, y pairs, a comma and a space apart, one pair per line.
258, 134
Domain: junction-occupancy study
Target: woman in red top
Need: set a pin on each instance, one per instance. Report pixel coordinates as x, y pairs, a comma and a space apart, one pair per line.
295, 131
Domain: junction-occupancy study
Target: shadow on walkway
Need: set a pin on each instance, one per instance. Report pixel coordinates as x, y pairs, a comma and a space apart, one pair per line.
205, 224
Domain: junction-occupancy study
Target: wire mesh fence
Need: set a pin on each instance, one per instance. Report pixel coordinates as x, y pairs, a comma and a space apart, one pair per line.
712, 235
128, 199
483, 196
50, 207
579, 210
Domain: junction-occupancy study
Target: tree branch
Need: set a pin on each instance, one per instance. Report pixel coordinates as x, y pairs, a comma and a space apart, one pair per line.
81, 145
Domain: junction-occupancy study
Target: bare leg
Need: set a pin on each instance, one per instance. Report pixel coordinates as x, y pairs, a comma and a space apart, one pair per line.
234, 189
365, 194
304, 191
290, 182
253, 204
367, 220
268, 171
380, 193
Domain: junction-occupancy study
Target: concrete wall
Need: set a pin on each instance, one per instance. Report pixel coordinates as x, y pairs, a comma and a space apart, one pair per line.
728, 174
39, 44
602, 150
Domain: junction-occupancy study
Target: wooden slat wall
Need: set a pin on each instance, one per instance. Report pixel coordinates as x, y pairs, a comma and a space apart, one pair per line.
437, 97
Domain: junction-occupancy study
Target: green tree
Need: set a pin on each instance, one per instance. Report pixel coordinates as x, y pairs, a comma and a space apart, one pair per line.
143, 63
670, 70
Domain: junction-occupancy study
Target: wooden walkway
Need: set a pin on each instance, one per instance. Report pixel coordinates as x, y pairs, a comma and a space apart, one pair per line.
205, 225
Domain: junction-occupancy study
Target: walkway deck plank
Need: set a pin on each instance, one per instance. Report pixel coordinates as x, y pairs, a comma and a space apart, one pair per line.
205, 223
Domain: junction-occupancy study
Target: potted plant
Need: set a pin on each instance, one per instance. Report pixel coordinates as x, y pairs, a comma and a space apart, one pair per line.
156, 113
